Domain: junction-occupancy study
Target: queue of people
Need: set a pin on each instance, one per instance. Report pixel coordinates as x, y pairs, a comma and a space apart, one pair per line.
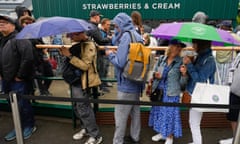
171, 72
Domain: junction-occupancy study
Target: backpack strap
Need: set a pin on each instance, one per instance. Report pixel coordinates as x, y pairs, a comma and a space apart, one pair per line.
133, 38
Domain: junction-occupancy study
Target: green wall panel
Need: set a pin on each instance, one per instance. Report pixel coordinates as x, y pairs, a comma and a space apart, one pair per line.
150, 9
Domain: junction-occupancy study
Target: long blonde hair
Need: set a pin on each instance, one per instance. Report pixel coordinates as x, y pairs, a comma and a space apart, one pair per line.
168, 52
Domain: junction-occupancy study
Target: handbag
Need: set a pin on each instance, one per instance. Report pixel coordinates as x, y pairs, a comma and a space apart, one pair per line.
205, 93
186, 97
71, 74
156, 95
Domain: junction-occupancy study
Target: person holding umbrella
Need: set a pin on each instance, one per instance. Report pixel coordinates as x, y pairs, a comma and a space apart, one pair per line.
83, 56
201, 70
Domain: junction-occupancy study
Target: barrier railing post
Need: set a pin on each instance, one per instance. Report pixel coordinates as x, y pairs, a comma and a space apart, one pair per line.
237, 134
16, 117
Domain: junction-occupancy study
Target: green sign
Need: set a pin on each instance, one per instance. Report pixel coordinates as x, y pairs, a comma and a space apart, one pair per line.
150, 9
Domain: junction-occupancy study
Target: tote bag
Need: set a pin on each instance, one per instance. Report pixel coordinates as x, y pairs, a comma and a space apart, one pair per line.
205, 93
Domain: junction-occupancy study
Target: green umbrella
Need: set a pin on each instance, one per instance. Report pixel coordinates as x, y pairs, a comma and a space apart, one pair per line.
186, 31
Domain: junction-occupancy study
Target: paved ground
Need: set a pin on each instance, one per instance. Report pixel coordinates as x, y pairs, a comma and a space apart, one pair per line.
59, 131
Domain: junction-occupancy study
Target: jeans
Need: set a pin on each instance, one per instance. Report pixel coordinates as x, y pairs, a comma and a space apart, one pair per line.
25, 107
195, 118
84, 112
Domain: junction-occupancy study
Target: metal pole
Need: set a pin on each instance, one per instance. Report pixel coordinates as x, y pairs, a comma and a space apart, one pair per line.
237, 134
16, 118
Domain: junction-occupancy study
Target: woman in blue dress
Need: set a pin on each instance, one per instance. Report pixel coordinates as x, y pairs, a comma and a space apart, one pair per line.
166, 121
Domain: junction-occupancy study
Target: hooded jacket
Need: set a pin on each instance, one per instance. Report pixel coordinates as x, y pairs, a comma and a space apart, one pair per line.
119, 59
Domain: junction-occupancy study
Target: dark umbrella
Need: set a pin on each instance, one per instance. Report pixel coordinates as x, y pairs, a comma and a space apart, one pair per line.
53, 26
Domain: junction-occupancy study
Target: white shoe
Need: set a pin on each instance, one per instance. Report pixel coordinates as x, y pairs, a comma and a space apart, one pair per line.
92, 140
169, 141
226, 141
109, 84
157, 137
79, 135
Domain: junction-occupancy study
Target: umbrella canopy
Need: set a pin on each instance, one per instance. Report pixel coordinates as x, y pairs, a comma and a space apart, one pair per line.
53, 26
186, 31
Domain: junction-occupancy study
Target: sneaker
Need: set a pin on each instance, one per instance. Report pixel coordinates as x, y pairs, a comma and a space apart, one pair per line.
10, 136
92, 140
109, 84
226, 141
129, 140
79, 135
169, 141
157, 137
27, 132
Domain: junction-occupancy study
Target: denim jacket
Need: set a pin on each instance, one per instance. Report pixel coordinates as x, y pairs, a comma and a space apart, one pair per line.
175, 80
202, 70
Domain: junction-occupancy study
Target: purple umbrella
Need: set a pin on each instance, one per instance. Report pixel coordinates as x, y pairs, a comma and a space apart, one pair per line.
186, 31
53, 26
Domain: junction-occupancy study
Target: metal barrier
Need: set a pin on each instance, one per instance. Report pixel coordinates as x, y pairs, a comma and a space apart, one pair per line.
15, 110
16, 117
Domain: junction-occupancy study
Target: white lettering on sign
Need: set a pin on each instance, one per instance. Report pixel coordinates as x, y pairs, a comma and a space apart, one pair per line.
166, 5
129, 6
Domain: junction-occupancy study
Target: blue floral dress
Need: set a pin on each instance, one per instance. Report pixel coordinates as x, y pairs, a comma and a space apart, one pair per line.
166, 120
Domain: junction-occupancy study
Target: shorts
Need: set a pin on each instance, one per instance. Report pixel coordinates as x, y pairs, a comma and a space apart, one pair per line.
233, 113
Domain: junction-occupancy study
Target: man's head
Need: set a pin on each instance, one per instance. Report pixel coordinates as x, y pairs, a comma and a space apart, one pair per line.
7, 25
78, 36
200, 17
106, 23
95, 16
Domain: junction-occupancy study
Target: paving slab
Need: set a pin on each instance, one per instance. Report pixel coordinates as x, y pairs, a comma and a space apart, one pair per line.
55, 130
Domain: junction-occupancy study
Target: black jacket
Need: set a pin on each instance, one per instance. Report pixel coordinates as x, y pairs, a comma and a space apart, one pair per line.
96, 35
16, 58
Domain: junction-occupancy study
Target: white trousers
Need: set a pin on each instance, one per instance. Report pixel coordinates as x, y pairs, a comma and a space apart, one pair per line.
195, 118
